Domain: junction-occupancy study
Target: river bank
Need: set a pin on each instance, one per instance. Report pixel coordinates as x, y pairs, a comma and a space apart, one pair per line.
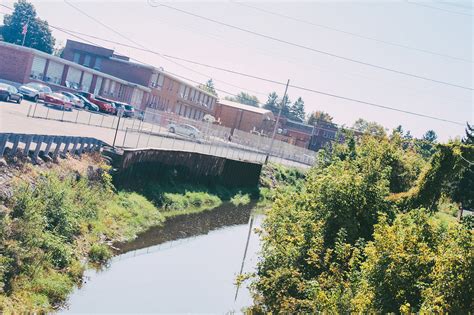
57, 220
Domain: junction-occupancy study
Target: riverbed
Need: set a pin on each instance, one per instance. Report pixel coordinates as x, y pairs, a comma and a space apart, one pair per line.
188, 265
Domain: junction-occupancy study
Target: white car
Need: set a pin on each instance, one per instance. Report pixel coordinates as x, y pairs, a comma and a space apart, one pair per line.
35, 91
76, 101
185, 130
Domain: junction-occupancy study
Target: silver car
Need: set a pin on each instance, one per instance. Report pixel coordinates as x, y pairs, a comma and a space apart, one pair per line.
35, 91
184, 130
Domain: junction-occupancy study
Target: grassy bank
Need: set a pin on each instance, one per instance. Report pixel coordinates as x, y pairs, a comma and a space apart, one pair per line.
56, 220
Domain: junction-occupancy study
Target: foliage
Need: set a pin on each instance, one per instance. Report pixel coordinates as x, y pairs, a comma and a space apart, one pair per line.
469, 139
415, 265
318, 116
240, 199
296, 111
449, 173
209, 87
244, 98
53, 222
369, 127
38, 36
339, 244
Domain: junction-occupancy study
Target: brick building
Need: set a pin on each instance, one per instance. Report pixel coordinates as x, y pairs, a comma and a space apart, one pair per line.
167, 93
22, 64
242, 117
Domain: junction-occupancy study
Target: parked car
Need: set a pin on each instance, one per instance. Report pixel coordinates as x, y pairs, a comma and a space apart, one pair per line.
127, 110
104, 106
58, 100
76, 101
88, 105
185, 130
112, 103
35, 91
10, 93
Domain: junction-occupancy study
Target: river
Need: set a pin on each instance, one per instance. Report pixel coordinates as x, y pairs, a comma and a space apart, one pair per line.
188, 265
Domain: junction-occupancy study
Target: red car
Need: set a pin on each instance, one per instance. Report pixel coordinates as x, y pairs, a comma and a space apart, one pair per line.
104, 106
58, 100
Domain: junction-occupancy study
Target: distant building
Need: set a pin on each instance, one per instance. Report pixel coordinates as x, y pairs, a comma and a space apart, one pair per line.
167, 93
324, 132
22, 65
294, 132
242, 117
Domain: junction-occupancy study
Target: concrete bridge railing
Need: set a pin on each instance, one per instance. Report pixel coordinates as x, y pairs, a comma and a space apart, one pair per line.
45, 146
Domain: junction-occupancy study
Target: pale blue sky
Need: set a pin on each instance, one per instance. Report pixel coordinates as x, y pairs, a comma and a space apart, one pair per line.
173, 33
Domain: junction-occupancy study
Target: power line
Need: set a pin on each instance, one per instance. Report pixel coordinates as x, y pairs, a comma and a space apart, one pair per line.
144, 47
436, 8
313, 49
349, 33
293, 86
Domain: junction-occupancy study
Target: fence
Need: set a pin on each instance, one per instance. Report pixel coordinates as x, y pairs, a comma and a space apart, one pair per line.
151, 129
45, 146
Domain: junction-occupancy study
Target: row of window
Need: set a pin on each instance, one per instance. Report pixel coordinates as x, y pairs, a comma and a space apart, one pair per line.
191, 94
189, 112
87, 60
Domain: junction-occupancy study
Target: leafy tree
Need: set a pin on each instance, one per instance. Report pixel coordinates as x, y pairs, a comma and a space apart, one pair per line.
209, 87
414, 265
370, 127
469, 139
316, 116
426, 146
38, 36
274, 102
244, 98
296, 110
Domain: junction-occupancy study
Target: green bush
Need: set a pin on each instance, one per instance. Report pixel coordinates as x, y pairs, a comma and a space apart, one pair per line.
99, 253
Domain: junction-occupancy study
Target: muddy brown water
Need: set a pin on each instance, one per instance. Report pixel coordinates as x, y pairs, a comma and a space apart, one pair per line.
188, 265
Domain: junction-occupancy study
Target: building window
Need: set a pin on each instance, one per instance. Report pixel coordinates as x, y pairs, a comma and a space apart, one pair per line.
191, 95
182, 88
37, 68
55, 72
87, 60
76, 57
86, 81
73, 78
98, 63
98, 84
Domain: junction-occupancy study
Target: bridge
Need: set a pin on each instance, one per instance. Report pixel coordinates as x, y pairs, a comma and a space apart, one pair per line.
151, 132
132, 164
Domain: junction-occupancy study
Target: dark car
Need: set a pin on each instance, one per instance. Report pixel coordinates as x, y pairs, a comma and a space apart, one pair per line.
127, 110
88, 105
10, 93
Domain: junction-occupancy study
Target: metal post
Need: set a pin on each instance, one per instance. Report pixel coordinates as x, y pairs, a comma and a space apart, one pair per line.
283, 100
62, 116
29, 110
34, 111
47, 112
102, 120
116, 129
77, 115
149, 135
90, 116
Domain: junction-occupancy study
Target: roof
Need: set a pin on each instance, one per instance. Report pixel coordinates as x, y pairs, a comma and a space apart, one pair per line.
248, 108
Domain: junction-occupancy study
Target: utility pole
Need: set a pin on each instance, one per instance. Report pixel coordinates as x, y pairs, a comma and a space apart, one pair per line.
283, 101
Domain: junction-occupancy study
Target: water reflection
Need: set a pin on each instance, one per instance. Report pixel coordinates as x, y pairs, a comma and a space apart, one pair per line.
189, 265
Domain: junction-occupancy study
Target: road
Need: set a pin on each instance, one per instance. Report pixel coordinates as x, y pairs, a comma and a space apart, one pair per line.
14, 118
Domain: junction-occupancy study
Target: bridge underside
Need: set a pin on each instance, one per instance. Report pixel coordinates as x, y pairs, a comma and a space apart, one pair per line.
149, 164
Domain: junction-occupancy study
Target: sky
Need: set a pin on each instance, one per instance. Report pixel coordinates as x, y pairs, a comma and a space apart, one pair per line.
441, 27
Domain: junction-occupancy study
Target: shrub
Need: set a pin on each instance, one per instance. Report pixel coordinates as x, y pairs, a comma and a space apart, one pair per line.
99, 253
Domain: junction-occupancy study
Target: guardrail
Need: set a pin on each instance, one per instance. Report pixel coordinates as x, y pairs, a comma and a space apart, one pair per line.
45, 146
